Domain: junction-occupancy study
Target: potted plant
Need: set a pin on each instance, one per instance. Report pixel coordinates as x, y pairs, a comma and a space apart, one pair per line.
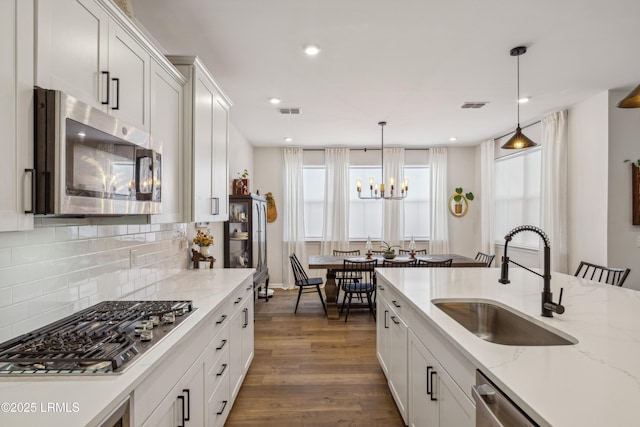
389, 253
241, 184
458, 199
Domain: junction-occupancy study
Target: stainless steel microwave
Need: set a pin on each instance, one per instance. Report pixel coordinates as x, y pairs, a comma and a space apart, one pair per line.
90, 163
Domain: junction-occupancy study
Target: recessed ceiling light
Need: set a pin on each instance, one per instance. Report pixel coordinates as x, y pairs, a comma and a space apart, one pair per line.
453, 138
288, 139
524, 100
312, 49
274, 101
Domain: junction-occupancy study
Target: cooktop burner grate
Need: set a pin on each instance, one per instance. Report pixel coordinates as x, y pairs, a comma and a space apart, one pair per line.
99, 339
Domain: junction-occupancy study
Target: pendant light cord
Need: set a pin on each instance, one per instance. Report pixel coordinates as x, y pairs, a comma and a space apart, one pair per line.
518, 91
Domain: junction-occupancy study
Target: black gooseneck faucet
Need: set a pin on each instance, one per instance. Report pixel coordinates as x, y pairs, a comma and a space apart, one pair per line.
548, 307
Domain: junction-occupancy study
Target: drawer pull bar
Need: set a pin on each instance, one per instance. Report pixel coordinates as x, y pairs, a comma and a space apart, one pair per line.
222, 319
224, 368
394, 320
224, 405
394, 302
222, 344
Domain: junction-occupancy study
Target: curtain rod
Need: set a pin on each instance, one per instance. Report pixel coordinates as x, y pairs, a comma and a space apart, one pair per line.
523, 128
365, 149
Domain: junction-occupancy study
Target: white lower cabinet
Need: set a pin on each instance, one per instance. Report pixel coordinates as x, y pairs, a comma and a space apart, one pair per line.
196, 384
435, 399
428, 390
392, 351
241, 336
184, 405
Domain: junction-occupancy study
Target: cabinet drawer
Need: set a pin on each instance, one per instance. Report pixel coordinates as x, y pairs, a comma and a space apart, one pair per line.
241, 293
219, 405
216, 371
387, 292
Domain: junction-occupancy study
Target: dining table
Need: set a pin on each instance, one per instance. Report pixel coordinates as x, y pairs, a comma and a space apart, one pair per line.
335, 263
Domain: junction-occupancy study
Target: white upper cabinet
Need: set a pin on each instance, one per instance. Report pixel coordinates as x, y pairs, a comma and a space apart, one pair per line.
206, 142
84, 51
166, 125
16, 114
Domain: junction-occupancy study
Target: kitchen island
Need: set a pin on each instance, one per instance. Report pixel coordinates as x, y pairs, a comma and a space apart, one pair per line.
593, 382
87, 400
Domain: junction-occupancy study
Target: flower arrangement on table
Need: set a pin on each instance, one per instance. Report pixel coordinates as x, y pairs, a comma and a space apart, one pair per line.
203, 239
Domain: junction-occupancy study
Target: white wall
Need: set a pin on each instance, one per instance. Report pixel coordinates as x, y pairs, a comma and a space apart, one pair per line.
463, 171
268, 168
588, 181
624, 143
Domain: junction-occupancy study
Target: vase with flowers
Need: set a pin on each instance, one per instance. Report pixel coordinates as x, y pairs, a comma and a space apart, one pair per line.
204, 240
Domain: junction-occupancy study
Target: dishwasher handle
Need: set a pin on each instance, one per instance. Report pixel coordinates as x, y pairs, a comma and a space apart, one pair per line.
483, 395
494, 408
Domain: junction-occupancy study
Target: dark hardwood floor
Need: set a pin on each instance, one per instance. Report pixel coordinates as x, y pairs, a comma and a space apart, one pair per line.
310, 371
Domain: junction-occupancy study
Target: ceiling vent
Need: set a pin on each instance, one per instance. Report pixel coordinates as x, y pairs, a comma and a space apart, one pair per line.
474, 104
290, 110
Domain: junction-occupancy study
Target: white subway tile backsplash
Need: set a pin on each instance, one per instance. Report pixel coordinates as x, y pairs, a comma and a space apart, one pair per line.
60, 268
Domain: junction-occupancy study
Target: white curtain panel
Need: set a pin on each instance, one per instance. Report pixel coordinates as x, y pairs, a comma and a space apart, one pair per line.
335, 229
553, 192
439, 201
393, 210
293, 214
487, 186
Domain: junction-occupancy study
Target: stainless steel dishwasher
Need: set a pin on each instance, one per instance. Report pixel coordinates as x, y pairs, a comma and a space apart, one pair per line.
494, 408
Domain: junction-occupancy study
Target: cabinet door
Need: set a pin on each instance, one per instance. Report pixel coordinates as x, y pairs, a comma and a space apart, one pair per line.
247, 331
72, 48
129, 66
16, 113
398, 368
435, 399
423, 410
220, 160
204, 104
184, 406
382, 334
166, 125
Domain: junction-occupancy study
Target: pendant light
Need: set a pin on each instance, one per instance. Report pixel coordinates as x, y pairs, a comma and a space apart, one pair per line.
632, 100
518, 140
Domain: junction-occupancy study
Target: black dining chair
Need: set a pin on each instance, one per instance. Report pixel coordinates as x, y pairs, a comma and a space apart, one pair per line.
417, 252
486, 258
336, 252
598, 273
434, 262
302, 281
401, 263
358, 279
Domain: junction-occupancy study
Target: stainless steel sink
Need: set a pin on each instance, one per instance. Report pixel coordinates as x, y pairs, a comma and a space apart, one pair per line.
497, 324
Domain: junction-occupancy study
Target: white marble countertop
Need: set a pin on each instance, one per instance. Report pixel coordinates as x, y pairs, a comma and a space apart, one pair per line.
595, 382
87, 400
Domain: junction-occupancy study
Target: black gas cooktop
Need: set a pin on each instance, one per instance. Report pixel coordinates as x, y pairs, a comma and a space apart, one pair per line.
98, 340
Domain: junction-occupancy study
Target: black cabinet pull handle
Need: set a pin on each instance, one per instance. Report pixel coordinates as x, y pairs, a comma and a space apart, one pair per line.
394, 320
394, 302
108, 74
222, 344
33, 190
381, 287
430, 374
117, 80
181, 399
222, 319
186, 390
385, 319
224, 405
246, 317
224, 368
238, 300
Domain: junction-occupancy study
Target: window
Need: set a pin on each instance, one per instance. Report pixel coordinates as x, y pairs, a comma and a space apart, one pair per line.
313, 190
365, 216
517, 196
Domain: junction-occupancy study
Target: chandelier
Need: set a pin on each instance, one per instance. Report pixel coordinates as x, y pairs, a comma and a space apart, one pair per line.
378, 192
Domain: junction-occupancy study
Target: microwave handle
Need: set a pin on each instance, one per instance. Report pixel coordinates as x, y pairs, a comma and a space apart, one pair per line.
33, 190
